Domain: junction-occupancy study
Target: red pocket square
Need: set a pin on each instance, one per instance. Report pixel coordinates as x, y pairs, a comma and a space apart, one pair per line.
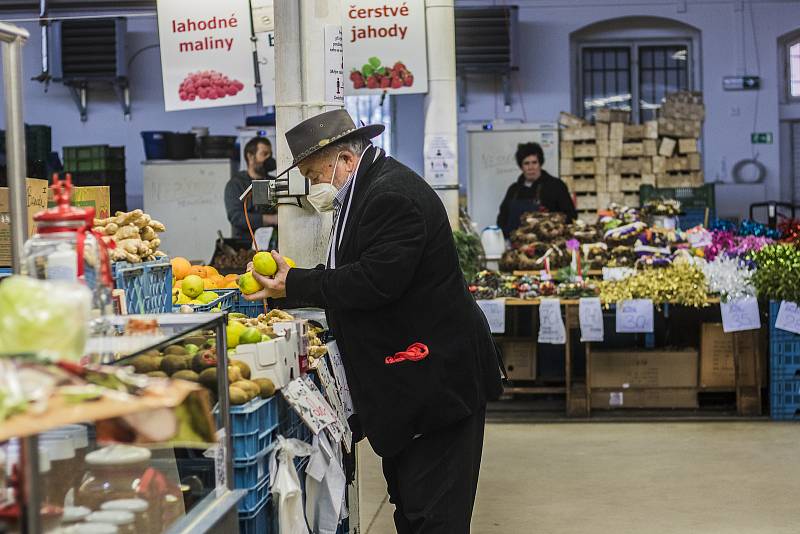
414, 353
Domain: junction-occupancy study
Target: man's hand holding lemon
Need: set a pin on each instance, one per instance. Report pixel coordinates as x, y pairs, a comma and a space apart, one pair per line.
265, 276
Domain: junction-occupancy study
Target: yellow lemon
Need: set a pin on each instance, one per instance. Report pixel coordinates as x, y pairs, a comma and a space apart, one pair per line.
290, 261
207, 296
250, 335
232, 333
196, 302
183, 299
248, 284
264, 264
192, 286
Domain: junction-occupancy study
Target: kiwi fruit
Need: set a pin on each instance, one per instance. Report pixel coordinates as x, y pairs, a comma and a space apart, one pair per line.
175, 349
234, 374
146, 363
267, 387
157, 374
208, 378
252, 389
243, 367
237, 396
186, 374
194, 340
152, 352
204, 360
173, 363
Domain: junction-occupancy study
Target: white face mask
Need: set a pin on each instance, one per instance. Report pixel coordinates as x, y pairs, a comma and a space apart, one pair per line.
321, 195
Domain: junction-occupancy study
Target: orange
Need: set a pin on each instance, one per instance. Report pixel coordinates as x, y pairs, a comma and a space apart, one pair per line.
180, 267
231, 277
209, 284
219, 280
178, 283
199, 270
211, 271
231, 285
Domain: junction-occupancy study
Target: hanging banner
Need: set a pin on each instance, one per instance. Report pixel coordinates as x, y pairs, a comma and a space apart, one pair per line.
385, 47
206, 54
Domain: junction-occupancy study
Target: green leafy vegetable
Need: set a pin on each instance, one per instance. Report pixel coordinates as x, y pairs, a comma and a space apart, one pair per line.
470, 253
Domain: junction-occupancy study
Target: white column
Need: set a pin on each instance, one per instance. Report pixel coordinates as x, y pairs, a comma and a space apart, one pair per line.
441, 111
299, 94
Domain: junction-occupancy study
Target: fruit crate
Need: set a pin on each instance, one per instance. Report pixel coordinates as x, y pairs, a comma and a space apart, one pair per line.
261, 521
693, 198
247, 307
247, 447
785, 399
147, 285
255, 497
254, 416
784, 348
94, 158
115, 179
250, 473
224, 301
38, 141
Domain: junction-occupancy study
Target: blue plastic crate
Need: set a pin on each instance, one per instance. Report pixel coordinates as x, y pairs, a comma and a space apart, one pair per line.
254, 416
783, 345
785, 397
694, 216
260, 521
255, 497
246, 307
248, 446
224, 302
147, 285
250, 473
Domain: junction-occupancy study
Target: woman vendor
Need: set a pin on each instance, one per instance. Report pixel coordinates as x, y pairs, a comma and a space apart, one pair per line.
534, 190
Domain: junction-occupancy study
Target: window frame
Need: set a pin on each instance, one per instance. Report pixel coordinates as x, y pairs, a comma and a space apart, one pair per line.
388, 118
635, 75
787, 54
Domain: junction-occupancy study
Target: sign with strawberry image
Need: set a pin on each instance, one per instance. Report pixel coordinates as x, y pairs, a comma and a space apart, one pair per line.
206, 53
385, 47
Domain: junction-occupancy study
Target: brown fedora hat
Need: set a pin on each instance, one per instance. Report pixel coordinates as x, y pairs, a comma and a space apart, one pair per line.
314, 134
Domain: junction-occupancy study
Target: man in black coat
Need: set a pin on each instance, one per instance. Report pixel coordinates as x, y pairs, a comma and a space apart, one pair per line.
418, 354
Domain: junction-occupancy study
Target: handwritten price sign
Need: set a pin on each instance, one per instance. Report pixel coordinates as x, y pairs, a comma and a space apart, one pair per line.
551, 325
788, 317
591, 319
635, 316
739, 315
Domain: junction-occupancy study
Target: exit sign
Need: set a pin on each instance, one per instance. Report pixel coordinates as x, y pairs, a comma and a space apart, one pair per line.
741, 83
761, 138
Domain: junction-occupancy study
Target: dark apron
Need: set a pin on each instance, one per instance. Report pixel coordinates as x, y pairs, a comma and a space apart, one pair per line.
516, 208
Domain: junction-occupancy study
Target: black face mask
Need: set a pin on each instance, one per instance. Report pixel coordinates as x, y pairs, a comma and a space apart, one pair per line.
267, 167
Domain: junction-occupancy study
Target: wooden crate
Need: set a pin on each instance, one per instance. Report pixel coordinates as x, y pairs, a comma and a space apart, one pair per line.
682, 110
631, 199
679, 128
581, 184
565, 149
651, 129
690, 162
648, 179
583, 167
614, 183
615, 147
650, 147
601, 130
630, 166
630, 184
602, 147
584, 150
616, 130
588, 216
570, 121
659, 164
582, 133
632, 149
667, 147
586, 201
633, 132
680, 179
687, 146
612, 115
646, 165
600, 166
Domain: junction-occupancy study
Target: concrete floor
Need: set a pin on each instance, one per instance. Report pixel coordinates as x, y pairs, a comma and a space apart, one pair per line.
655, 478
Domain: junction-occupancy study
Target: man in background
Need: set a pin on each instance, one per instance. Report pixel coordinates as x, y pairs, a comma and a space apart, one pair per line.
258, 156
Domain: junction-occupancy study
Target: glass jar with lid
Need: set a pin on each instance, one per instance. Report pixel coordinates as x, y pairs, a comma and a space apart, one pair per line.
65, 247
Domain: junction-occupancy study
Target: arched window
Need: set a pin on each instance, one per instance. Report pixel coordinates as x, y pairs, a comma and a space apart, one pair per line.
793, 69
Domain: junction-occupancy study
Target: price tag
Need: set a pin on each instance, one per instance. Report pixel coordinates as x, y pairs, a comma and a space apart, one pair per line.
315, 412
591, 318
341, 379
551, 325
220, 473
495, 312
742, 314
788, 317
329, 385
635, 316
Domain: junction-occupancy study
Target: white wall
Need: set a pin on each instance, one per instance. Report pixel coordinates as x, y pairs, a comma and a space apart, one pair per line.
106, 124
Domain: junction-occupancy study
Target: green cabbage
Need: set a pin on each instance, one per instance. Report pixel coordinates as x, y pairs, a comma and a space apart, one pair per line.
43, 317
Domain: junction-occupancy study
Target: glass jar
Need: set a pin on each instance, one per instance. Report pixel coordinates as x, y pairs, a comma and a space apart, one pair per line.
112, 473
61, 451
140, 510
124, 521
79, 435
91, 528
65, 248
74, 514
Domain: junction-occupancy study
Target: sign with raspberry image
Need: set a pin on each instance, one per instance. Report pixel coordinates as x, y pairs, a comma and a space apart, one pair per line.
206, 53
385, 47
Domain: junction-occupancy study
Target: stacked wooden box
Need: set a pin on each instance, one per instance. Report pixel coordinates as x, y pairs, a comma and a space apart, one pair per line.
608, 161
680, 123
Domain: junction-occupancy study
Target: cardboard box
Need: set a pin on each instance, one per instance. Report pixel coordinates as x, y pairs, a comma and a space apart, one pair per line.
717, 369
519, 358
644, 398
97, 197
643, 369
37, 201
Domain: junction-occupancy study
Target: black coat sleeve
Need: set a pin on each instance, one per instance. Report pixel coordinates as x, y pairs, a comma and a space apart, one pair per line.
565, 204
502, 216
235, 210
395, 239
